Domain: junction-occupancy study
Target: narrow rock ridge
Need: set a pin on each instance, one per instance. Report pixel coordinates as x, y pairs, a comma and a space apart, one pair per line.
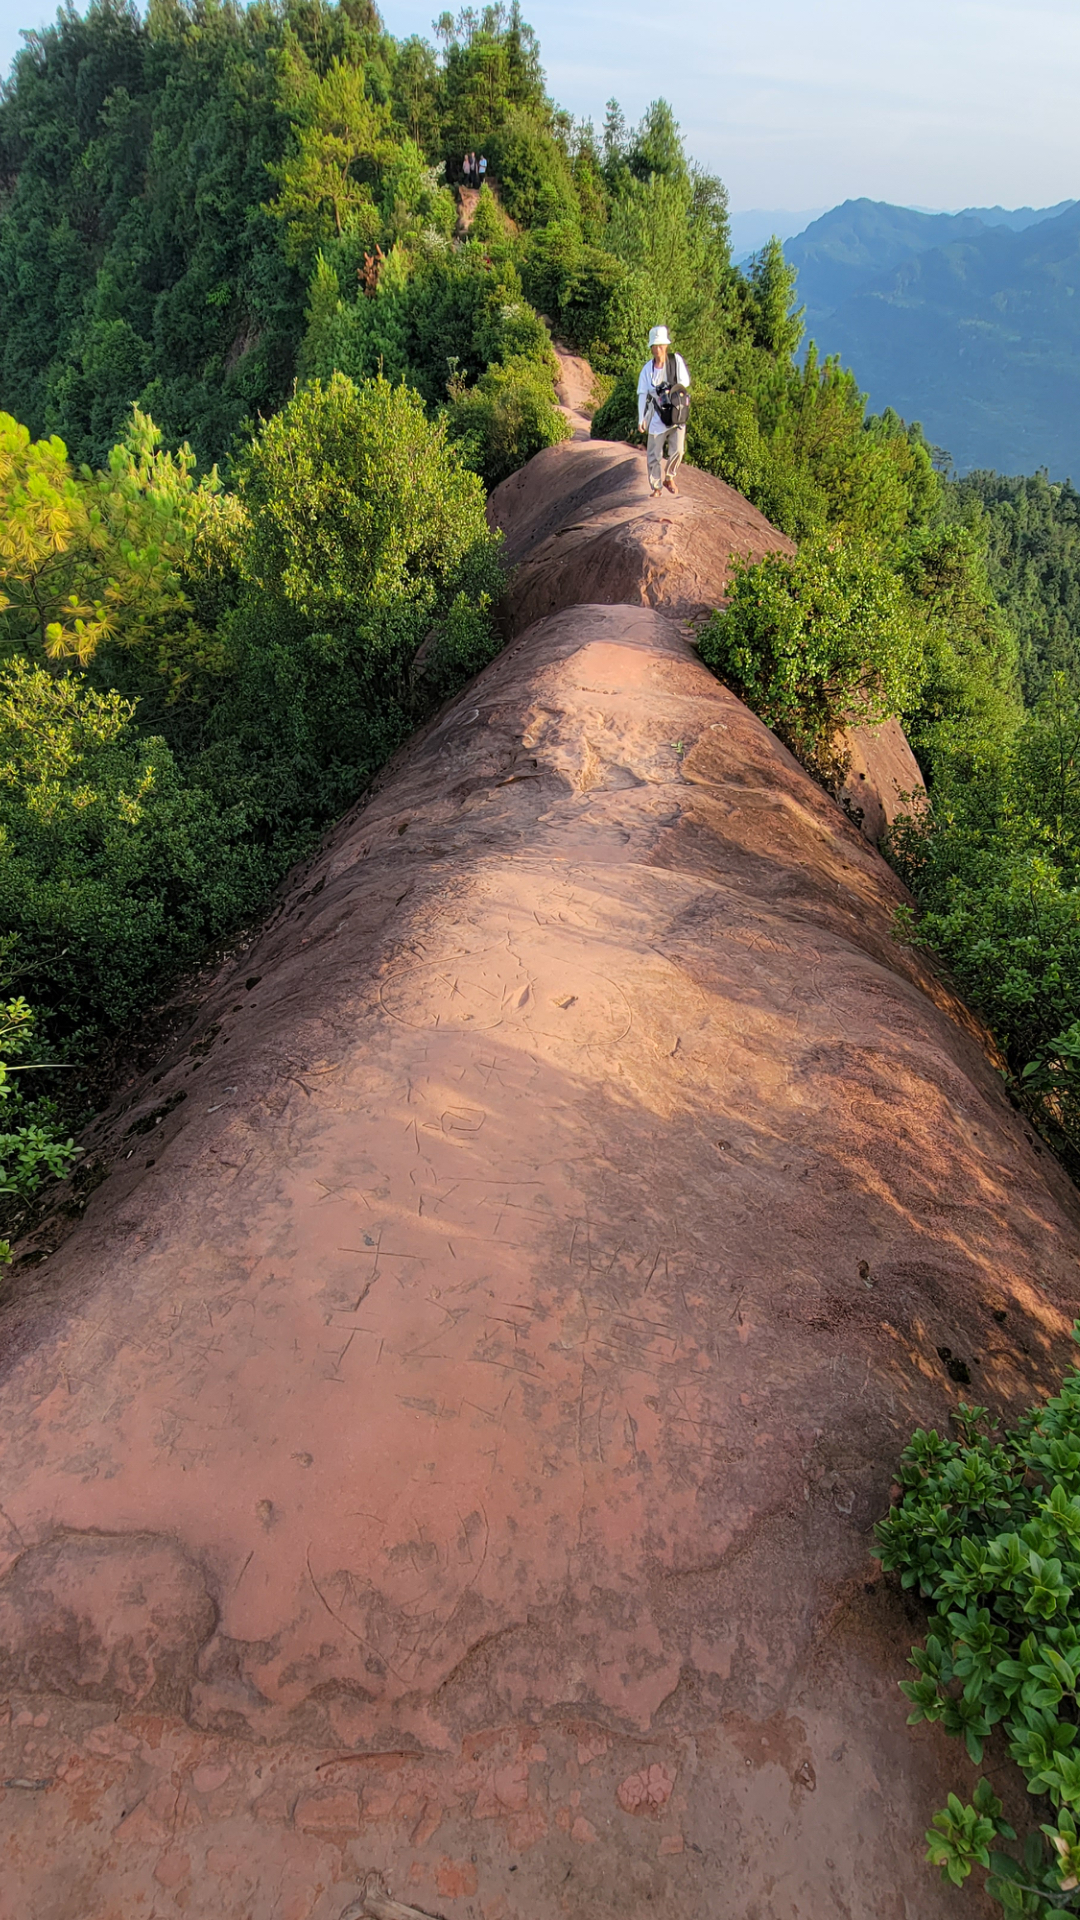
449, 1444
580, 527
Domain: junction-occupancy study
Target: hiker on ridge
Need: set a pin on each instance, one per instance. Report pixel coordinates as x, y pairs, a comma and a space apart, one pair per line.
663, 409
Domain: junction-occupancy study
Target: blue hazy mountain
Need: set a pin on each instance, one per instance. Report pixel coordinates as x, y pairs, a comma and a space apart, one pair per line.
969, 322
852, 244
751, 230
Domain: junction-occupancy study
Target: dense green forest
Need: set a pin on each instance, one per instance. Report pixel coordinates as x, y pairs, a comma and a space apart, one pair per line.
256, 374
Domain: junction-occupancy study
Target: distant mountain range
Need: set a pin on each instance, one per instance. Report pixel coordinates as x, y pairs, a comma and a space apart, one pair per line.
750, 230
969, 322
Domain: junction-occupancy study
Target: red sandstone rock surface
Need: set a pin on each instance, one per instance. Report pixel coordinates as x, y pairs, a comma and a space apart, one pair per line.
574, 389
449, 1444
882, 771
580, 526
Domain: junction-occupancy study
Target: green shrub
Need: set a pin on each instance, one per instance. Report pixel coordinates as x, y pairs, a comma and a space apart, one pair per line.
490, 226
414, 197
1007, 923
357, 534
92, 559
723, 437
992, 855
552, 259
32, 1149
607, 310
972, 683
445, 319
115, 873
671, 236
817, 643
355, 502
988, 1531
508, 416
364, 530
617, 418
533, 172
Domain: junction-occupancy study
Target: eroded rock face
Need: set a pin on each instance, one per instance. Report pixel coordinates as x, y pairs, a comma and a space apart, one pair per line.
494, 1368
882, 775
114, 1618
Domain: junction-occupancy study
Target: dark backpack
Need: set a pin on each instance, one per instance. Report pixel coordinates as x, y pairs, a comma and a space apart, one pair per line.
672, 399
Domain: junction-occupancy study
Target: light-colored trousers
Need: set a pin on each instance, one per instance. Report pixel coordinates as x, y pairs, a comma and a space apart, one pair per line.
673, 439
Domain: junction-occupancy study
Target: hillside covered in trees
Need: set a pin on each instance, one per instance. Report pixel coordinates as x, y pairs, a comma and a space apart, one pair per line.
256, 374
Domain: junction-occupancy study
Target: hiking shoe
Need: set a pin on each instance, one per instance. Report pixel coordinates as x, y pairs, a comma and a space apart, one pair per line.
670, 485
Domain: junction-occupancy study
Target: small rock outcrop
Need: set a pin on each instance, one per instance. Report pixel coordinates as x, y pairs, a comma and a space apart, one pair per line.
882, 773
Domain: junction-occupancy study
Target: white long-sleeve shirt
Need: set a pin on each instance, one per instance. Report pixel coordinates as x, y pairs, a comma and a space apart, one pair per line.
646, 391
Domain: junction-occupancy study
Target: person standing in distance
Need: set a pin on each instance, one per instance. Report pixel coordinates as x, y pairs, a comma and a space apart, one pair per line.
663, 409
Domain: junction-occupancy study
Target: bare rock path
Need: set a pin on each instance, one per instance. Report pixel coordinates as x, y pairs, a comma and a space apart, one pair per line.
449, 1444
580, 526
574, 388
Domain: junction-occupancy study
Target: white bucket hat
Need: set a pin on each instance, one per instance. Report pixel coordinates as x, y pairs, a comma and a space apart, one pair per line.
659, 337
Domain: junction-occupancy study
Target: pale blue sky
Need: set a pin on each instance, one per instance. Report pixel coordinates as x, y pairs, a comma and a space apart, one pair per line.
801, 103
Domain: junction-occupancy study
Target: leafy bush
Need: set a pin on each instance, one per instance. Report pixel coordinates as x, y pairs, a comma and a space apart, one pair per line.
88, 559
509, 415
364, 530
969, 704
534, 176
31, 1147
552, 258
992, 855
490, 226
988, 1531
817, 643
356, 535
723, 437
355, 502
606, 310
447, 317
114, 873
670, 233
1032, 531
617, 418
414, 198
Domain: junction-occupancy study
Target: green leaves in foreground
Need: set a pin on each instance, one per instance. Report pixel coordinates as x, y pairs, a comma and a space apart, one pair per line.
988, 1530
960, 1836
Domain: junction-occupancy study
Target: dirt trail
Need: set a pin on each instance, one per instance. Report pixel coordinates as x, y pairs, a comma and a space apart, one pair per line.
448, 1446
574, 388
467, 199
